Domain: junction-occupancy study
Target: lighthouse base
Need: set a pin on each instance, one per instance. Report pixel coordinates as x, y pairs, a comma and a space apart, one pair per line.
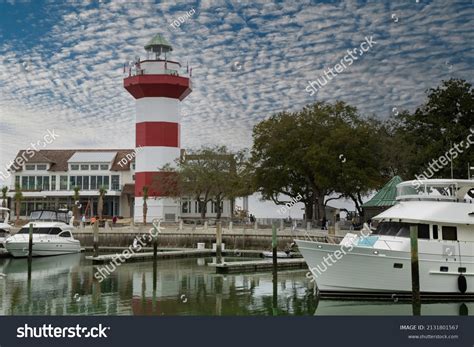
166, 209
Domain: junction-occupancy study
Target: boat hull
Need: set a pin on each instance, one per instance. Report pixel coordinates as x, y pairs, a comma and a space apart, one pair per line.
42, 247
363, 270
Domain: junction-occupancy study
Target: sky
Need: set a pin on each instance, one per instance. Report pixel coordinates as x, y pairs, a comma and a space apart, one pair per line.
61, 63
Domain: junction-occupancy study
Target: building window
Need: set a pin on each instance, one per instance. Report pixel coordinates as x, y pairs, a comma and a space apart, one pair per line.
72, 182
62, 182
104, 166
185, 206
95, 167
41, 167
39, 183
106, 182
450, 233
85, 183
93, 182
133, 166
74, 166
115, 182
29, 167
53, 182
45, 182
24, 182
79, 182
99, 182
84, 167
31, 182
17, 181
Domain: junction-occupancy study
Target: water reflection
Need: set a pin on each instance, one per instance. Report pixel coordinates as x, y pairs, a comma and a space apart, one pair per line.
65, 285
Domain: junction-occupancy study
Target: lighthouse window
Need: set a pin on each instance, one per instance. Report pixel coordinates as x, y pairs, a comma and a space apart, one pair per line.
450, 233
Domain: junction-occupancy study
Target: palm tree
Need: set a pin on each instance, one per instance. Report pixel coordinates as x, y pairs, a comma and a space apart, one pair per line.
4, 198
145, 206
18, 197
100, 205
75, 208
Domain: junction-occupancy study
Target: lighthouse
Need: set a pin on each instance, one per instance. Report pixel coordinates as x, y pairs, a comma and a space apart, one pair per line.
158, 85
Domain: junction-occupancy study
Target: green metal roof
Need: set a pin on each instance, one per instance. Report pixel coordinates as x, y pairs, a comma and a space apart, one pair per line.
156, 41
385, 196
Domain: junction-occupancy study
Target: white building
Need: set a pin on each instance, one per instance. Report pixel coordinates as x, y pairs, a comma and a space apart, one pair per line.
47, 179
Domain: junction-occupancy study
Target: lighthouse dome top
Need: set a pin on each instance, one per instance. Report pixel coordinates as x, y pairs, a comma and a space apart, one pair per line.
158, 44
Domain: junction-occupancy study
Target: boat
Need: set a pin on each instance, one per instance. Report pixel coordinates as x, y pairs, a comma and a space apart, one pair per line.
377, 262
52, 235
5, 228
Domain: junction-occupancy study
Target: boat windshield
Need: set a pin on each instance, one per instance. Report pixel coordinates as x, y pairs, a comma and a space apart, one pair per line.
49, 231
50, 216
427, 191
392, 229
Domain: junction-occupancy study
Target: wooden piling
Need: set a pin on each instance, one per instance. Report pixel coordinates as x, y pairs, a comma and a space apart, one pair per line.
30, 244
219, 242
415, 271
275, 271
96, 238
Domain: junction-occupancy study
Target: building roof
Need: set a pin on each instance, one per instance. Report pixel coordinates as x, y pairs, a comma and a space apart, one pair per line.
156, 41
58, 158
92, 157
386, 196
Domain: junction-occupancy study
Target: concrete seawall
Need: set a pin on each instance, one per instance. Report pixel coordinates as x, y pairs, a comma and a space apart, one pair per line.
235, 239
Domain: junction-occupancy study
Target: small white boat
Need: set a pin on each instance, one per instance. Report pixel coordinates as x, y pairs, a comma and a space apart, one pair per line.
279, 254
5, 228
52, 235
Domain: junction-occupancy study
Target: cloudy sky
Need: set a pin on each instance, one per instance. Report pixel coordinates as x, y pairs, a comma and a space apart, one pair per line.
61, 63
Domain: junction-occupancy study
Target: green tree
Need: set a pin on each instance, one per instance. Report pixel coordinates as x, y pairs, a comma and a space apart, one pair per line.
440, 127
323, 149
18, 197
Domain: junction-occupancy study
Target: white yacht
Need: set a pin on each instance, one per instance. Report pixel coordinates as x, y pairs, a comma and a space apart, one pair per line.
52, 235
379, 261
5, 228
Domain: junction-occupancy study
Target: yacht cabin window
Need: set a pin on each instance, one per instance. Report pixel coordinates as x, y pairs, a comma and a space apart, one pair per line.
435, 232
423, 231
450, 233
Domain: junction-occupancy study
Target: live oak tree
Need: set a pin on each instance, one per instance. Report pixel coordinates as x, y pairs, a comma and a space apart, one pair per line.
320, 150
436, 127
208, 174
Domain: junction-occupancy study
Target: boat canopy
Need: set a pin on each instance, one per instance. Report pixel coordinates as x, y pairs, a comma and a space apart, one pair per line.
50, 216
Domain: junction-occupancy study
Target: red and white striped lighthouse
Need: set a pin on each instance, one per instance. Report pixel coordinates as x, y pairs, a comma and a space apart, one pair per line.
158, 87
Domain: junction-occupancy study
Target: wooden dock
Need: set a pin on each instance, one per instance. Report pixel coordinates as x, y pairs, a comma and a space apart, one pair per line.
146, 256
259, 265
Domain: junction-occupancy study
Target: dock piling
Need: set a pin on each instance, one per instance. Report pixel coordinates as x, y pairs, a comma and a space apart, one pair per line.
219, 242
415, 273
96, 238
30, 244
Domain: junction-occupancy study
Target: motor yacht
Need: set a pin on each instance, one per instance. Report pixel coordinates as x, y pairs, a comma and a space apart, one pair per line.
52, 235
378, 261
